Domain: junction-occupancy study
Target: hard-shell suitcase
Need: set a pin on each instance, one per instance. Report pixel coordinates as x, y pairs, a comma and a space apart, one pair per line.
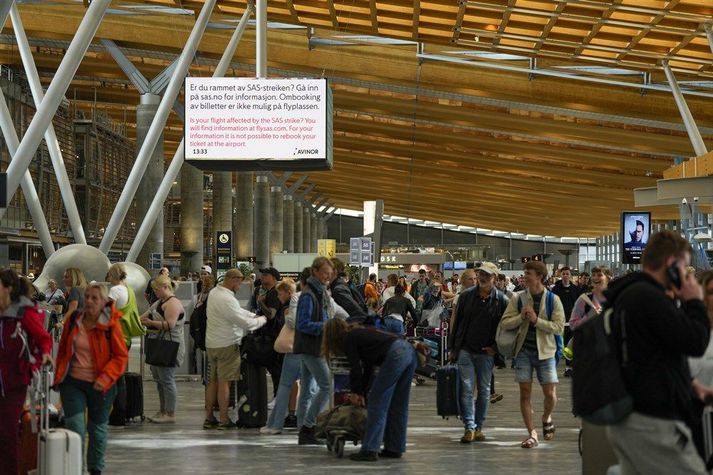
60, 450
448, 391
252, 395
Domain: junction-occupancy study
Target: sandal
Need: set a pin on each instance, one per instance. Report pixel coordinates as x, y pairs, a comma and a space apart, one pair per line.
529, 443
548, 429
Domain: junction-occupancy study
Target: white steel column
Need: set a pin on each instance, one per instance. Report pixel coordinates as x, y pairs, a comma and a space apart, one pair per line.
709, 35
55, 94
175, 167
65, 187
693, 133
28, 187
156, 129
261, 39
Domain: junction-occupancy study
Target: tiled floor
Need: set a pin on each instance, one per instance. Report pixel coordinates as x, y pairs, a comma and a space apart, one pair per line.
433, 443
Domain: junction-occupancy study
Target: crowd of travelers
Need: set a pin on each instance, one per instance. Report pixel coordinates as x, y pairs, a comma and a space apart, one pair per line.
321, 315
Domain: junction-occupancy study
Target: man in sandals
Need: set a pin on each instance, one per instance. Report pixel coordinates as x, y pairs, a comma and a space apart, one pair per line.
539, 317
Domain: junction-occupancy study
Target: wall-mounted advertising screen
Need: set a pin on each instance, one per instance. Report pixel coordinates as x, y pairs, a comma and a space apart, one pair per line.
635, 231
459, 265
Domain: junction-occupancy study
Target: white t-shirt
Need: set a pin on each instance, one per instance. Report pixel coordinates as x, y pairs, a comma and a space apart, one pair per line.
702, 367
120, 295
391, 291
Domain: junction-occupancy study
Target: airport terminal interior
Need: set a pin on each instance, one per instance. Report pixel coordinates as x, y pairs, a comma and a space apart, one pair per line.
405, 138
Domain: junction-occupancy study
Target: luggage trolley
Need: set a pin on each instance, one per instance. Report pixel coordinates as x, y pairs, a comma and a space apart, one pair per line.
438, 336
338, 436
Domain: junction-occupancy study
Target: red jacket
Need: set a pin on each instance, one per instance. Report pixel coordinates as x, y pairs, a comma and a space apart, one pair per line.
107, 342
15, 366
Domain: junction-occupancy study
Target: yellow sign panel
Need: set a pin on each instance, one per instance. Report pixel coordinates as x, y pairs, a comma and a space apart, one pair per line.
327, 247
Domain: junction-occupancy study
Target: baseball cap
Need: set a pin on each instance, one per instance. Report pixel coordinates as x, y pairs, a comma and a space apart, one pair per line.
206, 269
272, 271
488, 268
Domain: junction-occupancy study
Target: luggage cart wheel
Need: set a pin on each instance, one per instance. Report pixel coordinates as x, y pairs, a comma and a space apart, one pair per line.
339, 447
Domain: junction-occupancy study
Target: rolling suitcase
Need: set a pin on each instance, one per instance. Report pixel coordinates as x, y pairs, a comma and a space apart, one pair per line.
448, 391
60, 450
134, 396
252, 395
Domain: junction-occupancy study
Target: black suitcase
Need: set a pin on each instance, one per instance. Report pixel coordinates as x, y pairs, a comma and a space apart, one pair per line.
117, 417
134, 396
429, 371
448, 391
251, 395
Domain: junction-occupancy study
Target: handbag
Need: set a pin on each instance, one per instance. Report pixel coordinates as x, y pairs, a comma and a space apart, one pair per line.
161, 352
285, 340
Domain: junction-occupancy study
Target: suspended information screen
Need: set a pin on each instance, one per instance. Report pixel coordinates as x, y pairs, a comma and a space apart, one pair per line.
256, 124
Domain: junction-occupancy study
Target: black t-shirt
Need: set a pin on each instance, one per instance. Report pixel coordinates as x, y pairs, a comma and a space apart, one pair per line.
364, 349
531, 338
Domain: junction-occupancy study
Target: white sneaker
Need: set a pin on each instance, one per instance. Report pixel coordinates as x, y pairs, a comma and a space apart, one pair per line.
164, 419
269, 431
271, 404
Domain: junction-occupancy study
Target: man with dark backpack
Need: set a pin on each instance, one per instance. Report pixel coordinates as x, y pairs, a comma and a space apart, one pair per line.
348, 296
655, 336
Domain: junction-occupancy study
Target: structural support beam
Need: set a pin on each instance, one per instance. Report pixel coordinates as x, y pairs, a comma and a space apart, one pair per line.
178, 158
28, 187
65, 187
261, 39
693, 133
262, 221
288, 223
144, 155
298, 218
709, 35
55, 93
689, 188
291, 190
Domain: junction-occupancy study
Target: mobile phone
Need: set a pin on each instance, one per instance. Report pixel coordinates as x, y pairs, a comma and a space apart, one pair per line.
674, 275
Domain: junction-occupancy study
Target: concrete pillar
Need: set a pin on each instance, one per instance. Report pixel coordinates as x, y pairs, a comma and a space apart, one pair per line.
243, 222
306, 228
298, 217
222, 202
323, 228
314, 231
145, 113
288, 223
191, 219
276, 218
262, 221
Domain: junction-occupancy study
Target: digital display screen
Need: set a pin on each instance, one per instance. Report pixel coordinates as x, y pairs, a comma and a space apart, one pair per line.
635, 232
459, 265
447, 265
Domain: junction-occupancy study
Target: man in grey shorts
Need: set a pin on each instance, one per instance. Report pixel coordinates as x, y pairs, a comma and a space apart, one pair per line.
226, 322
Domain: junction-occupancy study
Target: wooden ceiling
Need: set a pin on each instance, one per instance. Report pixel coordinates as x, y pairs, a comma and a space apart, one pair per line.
479, 142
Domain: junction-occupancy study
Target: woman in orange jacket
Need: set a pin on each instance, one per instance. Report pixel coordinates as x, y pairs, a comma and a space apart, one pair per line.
92, 356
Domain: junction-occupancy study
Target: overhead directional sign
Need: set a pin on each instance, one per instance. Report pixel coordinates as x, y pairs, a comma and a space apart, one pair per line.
361, 251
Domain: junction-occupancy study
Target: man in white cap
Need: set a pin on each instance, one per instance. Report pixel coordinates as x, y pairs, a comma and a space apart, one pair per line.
472, 344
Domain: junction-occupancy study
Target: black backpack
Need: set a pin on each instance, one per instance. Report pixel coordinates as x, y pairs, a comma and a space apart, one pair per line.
198, 324
599, 392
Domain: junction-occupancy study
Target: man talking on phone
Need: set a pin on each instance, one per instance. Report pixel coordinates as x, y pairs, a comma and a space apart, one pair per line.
656, 436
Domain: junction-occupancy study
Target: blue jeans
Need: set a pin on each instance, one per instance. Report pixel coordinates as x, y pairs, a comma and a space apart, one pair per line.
528, 360
475, 370
313, 368
393, 325
387, 408
165, 379
78, 397
290, 373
